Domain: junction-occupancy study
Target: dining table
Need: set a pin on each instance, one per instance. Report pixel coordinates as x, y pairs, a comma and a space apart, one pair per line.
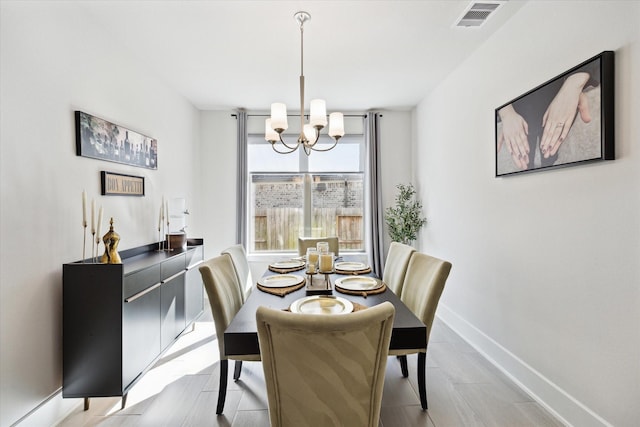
241, 336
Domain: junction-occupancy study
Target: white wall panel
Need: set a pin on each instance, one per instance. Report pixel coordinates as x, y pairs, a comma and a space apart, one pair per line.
53, 63
545, 265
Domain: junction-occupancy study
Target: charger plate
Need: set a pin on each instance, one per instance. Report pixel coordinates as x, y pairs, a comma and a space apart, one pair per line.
319, 304
281, 280
359, 283
287, 266
350, 266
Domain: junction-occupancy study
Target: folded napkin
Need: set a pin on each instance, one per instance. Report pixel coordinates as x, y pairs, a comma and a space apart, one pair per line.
361, 293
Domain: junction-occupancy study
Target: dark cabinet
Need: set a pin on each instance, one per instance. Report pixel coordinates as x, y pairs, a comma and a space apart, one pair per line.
140, 334
119, 318
172, 300
193, 290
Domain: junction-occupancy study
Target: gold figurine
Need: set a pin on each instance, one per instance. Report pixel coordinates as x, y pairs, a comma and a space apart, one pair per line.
111, 240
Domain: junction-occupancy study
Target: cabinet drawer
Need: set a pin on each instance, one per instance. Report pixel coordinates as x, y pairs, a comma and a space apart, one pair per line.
141, 280
173, 266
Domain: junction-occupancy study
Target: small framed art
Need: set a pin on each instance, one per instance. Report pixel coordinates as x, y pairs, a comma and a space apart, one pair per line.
117, 184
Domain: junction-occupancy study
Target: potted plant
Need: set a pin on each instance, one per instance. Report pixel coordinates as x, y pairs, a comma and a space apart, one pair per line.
405, 218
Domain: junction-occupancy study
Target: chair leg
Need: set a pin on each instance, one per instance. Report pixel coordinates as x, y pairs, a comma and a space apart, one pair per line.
237, 370
403, 365
222, 392
422, 371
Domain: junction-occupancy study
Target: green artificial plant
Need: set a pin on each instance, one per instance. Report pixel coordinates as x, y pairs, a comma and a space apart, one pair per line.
405, 218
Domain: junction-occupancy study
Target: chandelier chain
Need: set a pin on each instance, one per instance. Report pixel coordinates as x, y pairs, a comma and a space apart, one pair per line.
310, 133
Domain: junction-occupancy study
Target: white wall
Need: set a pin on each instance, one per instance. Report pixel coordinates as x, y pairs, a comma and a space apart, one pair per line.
545, 277
54, 62
396, 140
219, 167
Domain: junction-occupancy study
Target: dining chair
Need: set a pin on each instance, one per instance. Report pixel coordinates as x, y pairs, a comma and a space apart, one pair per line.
221, 283
243, 271
395, 266
325, 370
421, 291
311, 242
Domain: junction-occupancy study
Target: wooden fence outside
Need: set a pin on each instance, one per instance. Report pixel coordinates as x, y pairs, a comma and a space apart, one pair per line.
277, 229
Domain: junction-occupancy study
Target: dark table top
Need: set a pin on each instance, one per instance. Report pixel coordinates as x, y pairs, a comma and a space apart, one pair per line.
241, 337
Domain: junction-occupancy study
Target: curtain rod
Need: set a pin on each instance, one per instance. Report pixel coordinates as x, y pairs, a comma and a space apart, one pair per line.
297, 115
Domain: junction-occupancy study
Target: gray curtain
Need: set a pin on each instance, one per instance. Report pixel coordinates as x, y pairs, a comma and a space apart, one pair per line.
376, 246
241, 180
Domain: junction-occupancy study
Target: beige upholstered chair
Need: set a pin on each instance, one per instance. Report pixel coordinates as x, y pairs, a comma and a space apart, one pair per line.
223, 291
423, 285
310, 242
395, 266
241, 265
325, 371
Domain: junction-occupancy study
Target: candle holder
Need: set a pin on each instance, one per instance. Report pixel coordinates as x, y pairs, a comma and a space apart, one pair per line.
160, 242
84, 240
323, 247
327, 282
93, 253
167, 236
95, 259
326, 262
320, 264
320, 286
312, 260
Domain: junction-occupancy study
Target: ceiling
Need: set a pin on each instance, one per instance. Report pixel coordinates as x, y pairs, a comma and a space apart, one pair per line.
359, 55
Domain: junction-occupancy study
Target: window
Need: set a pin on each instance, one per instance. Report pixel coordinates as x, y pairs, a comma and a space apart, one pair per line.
293, 195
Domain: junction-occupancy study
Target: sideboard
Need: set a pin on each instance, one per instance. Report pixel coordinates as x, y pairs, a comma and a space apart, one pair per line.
118, 319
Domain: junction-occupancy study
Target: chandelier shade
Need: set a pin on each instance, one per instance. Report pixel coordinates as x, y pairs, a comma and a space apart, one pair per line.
309, 132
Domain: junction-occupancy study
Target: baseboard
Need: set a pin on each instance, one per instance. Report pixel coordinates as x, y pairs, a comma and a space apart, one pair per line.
554, 399
50, 412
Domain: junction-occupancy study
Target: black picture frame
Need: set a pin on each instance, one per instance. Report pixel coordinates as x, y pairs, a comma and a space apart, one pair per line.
538, 135
118, 184
99, 139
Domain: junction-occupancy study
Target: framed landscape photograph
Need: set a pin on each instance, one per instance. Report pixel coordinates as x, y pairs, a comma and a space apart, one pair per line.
100, 139
565, 121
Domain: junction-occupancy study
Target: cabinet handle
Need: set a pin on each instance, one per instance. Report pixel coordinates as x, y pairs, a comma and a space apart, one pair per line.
170, 278
191, 267
141, 293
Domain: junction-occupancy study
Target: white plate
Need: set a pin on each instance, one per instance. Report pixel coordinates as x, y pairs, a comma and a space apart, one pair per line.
359, 283
285, 265
351, 266
322, 305
280, 280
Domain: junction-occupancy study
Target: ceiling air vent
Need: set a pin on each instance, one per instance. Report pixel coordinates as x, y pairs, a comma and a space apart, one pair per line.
477, 13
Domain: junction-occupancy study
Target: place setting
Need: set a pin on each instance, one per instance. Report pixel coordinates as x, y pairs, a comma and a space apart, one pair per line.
287, 266
360, 285
322, 304
352, 267
281, 284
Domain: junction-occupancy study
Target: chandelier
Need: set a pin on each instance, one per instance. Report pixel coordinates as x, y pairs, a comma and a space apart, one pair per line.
310, 132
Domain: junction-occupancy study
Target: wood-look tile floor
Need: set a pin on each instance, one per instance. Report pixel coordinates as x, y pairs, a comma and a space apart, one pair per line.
463, 389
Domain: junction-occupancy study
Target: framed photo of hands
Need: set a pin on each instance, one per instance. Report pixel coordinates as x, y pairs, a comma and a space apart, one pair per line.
564, 122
